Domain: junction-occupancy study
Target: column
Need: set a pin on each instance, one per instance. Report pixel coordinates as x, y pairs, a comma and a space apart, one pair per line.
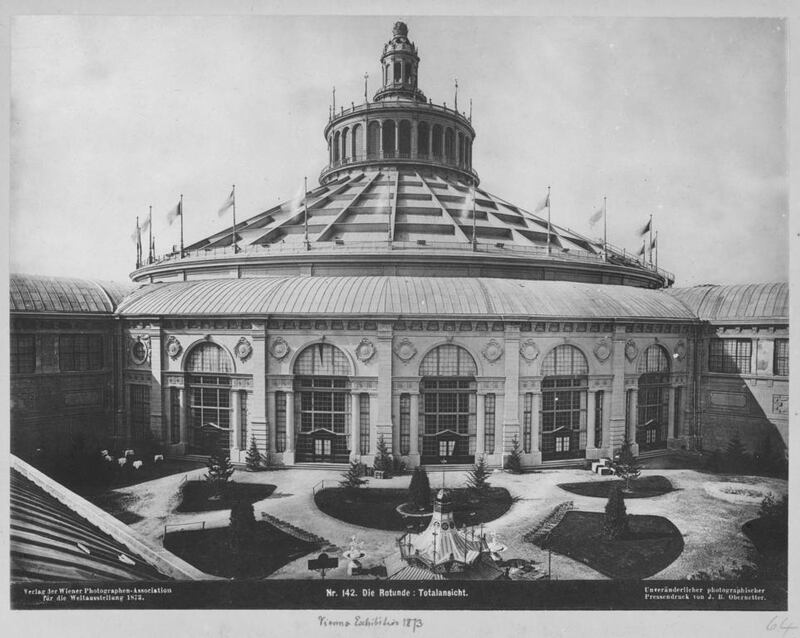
430, 140
364, 143
374, 432
183, 419
414, 445
156, 387
634, 419
414, 138
536, 417
288, 455
616, 415
257, 401
355, 419
606, 422
381, 402
510, 423
380, 140
480, 435
457, 150
236, 423
396, 423
671, 414
397, 138
591, 447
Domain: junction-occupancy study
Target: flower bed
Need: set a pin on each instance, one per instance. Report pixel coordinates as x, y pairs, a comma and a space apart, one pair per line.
197, 496
642, 487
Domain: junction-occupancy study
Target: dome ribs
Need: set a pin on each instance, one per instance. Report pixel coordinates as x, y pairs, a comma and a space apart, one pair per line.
445, 212
327, 231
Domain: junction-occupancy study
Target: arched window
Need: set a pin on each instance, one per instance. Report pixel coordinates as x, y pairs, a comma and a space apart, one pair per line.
373, 140
336, 147
652, 424
461, 158
208, 368
397, 72
357, 151
322, 404
404, 139
437, 141
423, 139
345, 149
388, 138
448, 405
449, 145
564, 395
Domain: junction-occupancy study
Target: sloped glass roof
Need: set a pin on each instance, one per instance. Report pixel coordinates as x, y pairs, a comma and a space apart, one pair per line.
36, 293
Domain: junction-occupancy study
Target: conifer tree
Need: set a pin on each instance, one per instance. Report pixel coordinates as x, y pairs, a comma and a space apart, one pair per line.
351, 479
615, 523
255, 460
514, 460
478, 476
626, 465
420, 490
218, 473
736, 456
383, 458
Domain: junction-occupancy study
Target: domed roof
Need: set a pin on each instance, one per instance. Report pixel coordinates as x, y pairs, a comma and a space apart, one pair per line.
740, 302
37, 293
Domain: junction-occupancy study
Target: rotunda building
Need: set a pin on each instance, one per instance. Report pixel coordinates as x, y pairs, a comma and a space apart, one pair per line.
400, 299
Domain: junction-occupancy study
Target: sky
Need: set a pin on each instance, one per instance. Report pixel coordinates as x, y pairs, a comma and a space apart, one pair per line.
681, 118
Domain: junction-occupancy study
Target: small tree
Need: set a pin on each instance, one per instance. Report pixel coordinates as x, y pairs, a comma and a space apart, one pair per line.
615, 523
383, 458
479, 475
514, 460
626, 465
351, 479
419, 490
219, 471
736, 456
255, 460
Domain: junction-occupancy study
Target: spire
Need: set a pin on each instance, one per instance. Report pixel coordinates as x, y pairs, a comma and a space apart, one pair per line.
400, 63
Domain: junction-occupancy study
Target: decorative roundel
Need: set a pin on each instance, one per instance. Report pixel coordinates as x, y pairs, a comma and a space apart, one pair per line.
405, 350
174, 347
365, 350
631, 349
445, 527
243, 349
680, 351
140, 349
279, 348
492, 351
528, 350
436, 523
602, 349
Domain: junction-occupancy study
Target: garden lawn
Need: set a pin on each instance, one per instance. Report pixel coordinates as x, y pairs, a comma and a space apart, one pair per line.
651, 544
196, 496
209, 551
377, 508
643, 487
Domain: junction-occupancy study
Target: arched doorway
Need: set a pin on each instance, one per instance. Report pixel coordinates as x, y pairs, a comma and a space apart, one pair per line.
652, 399
448, 405
208, 371
564, 394
322, 405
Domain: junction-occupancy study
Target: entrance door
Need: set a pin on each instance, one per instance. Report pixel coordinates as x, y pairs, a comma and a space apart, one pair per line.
323, 450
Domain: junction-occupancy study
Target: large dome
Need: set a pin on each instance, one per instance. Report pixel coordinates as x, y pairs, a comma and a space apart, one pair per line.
399, 196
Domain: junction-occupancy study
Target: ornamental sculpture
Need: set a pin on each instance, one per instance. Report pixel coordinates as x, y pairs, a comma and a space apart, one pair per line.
243, 349
602, 349
174, 347
140, 349
365, 350
492, 351
528, 350
631, 349
279, 348
680, 351
405, 350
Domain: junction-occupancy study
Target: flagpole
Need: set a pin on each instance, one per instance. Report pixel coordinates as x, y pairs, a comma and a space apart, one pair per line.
150, 243
180, 210
305, 206
138, 244
233, 236
548, 220
605, 230
656, 250
651, 239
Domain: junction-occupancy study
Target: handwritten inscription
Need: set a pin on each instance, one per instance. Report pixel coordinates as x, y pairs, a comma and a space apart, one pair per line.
781, 624
391, 622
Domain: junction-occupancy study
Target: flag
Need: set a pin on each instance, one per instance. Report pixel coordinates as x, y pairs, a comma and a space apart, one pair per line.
174, 213
136, 235
646, 228
641, 251
228, 203
653, 243
596, 216
545, 203
294, 203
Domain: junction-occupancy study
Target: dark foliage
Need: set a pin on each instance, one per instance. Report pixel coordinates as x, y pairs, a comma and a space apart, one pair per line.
351, 479
625, 464
242, 527
383, 458
419, 490
200, 496
478, 478
255, 460
514, 460
219, 471
615, 522
643, 487
737, 460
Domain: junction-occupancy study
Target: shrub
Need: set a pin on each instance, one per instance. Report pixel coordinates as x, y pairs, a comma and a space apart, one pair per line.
737, 460
383, 458
352, 477
255, 460
615, 523
219, 471
479, 475
514, 460
625, 464
241, 531
775, 509
419, 490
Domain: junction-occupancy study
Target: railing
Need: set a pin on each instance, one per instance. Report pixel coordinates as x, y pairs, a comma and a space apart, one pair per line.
387, 155
320, 485
184, 526
379, 106
364, 247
